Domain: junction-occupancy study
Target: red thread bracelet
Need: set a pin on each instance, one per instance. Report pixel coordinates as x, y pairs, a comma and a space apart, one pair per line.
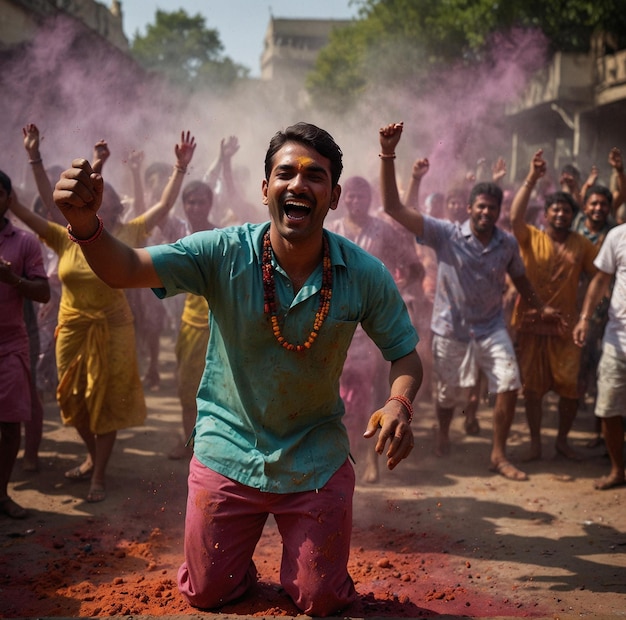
91, 239
404, 401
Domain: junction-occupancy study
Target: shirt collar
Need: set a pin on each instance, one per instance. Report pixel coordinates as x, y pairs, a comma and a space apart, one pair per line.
466, 230
336, 255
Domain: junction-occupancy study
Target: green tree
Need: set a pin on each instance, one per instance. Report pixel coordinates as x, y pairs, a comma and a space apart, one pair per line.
401, 41
184, 50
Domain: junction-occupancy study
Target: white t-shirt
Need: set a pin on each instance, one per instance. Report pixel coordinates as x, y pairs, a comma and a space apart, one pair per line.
612, 259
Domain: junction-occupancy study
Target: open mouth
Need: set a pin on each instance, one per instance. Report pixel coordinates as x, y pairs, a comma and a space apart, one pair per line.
296, 211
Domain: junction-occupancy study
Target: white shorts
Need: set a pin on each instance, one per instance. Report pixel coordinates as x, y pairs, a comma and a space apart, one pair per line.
456, 365
611, 400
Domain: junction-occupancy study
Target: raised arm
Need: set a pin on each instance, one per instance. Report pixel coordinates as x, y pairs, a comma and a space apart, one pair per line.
34, 221
498, 170
570, 184
592, 179
420, 169
78, 195
411, 219
184, 152
520, 201
212, 175
135, 163
617, 163
31, 144
228, 147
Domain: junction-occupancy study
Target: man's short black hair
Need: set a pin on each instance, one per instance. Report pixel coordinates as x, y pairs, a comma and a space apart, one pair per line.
309, 135
488, 189
599, 189
561, 197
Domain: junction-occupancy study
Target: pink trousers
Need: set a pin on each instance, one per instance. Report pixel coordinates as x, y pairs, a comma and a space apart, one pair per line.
224, 523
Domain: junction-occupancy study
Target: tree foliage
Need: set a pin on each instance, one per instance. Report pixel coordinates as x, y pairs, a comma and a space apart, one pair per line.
184, 50
396, 41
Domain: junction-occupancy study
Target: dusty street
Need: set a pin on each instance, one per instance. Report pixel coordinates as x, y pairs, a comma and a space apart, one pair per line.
434, 537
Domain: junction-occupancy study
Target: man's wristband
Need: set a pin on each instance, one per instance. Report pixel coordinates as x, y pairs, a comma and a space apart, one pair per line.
404, 401
96, 235
585, 317
387, 155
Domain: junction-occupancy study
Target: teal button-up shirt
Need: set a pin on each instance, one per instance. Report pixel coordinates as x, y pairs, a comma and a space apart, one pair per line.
267, 417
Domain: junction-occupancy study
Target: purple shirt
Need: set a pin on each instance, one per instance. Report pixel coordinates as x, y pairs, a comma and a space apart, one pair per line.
23, 251
470, 278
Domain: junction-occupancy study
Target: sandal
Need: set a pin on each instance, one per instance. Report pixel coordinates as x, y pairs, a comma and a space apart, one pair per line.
96, 494
79, 473
12, 509
508, 471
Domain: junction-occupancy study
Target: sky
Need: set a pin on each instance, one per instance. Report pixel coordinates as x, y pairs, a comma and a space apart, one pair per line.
241, 24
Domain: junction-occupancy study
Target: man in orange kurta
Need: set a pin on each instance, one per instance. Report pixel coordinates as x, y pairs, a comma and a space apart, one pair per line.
554, 259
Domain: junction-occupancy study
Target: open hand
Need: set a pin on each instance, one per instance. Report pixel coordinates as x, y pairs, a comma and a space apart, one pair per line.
184, 151
393, 429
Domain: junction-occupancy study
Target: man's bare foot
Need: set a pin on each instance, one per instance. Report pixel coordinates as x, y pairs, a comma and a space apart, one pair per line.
30, 464
12, 509
371, 475
568, 452
472, 427
534, 454
508, 471
595, 442
442, 444
609, 482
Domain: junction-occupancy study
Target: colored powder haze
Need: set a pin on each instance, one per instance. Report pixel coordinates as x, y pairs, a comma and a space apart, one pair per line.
78, 92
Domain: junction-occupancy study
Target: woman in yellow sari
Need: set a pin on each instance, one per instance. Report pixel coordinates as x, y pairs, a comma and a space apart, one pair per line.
100, 391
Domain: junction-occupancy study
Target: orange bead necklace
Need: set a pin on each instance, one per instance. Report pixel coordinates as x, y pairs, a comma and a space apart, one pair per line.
269, 296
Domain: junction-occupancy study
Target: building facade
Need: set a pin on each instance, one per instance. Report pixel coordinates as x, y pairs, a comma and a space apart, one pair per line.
20, 19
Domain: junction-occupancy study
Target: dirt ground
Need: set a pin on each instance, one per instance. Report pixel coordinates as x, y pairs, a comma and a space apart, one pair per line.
436, 537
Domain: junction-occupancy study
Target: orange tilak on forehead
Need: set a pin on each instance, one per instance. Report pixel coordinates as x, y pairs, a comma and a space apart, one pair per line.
303, 162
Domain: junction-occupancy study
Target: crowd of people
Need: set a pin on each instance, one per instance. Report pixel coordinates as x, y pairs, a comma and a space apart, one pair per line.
297, 338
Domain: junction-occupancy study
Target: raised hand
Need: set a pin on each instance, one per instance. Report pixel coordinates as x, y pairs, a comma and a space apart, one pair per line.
538, 165
229, 146
615, 159
101, 151
31, 140
135, 160
420, 168
184, 151
593, 176
78, 195
389, 137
